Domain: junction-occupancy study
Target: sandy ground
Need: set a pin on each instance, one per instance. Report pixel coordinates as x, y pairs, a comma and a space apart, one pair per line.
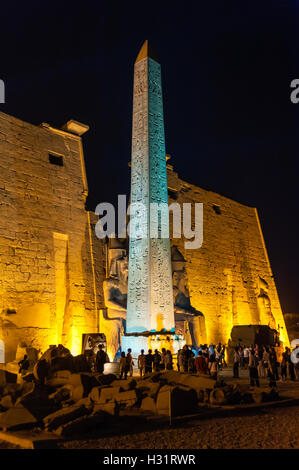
275, 428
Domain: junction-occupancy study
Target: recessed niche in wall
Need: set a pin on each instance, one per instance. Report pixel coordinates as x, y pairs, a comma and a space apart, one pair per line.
10, 311
172, 194
56, 159
217, 209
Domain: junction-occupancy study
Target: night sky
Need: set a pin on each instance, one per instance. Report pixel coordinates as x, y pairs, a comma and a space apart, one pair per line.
229, 122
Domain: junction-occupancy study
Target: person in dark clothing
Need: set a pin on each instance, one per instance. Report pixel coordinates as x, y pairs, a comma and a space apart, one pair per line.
156, 361
253, 372
236, 363
124, 367
24, 365
149, 359
284, 366
101, 359
290, 371
186, 354
273, 362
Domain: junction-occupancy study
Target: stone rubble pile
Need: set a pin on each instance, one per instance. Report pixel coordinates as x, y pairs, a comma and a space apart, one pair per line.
61, 399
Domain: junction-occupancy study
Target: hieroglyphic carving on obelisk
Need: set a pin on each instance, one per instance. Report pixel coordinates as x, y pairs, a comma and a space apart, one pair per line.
150, 291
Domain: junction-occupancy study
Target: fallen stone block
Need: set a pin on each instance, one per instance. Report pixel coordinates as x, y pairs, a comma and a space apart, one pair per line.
127, 398
149, 388
261, 395
128, 384
195, 382
83, 425
77, 392
86, 380
37, 401
62, 363
149, 404
65, 415
218, 397
80, 364
17, 417
84, 401
105, 379
7, 377
6, 401
103, 394
111, 408
15, 390
62, 394
41, 370
182, 401
60, 377
28, 377
95, 394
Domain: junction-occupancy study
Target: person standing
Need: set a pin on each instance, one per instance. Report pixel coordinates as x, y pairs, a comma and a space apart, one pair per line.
163, 359
222, 356
130, 362
101, 359
178, 360
246, 356
241, 354
191, 366
260, 367
24, 365
273, 362
236, 363
213, 366
266, 361
123, 366
156, 361
296, 367
200, 364
185, 357
290, 365
283, 367
141, 363
168, 358
149, 362
253, 372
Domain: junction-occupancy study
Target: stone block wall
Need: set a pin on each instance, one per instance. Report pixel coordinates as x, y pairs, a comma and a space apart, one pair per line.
47, 249
224, 274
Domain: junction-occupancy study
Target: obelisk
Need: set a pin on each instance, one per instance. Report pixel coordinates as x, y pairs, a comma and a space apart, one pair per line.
150, 290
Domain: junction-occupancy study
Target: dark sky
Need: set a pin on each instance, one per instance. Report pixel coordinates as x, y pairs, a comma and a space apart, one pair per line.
227, 67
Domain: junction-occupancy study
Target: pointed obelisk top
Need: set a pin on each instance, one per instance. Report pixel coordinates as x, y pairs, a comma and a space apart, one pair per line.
147, 51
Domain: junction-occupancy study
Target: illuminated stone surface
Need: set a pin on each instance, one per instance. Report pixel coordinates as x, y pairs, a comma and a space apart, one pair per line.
46, 241
150, 297
224, 275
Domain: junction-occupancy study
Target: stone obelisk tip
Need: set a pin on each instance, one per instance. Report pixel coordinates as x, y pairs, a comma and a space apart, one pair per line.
147, 51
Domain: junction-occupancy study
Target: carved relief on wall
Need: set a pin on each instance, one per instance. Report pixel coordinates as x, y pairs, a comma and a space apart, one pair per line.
264, 303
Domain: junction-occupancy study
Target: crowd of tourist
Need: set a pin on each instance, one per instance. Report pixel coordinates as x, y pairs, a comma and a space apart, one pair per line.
208, 361
261, 362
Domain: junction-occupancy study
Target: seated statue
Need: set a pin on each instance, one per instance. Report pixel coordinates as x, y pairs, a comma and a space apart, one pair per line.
189, 321
115, 287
